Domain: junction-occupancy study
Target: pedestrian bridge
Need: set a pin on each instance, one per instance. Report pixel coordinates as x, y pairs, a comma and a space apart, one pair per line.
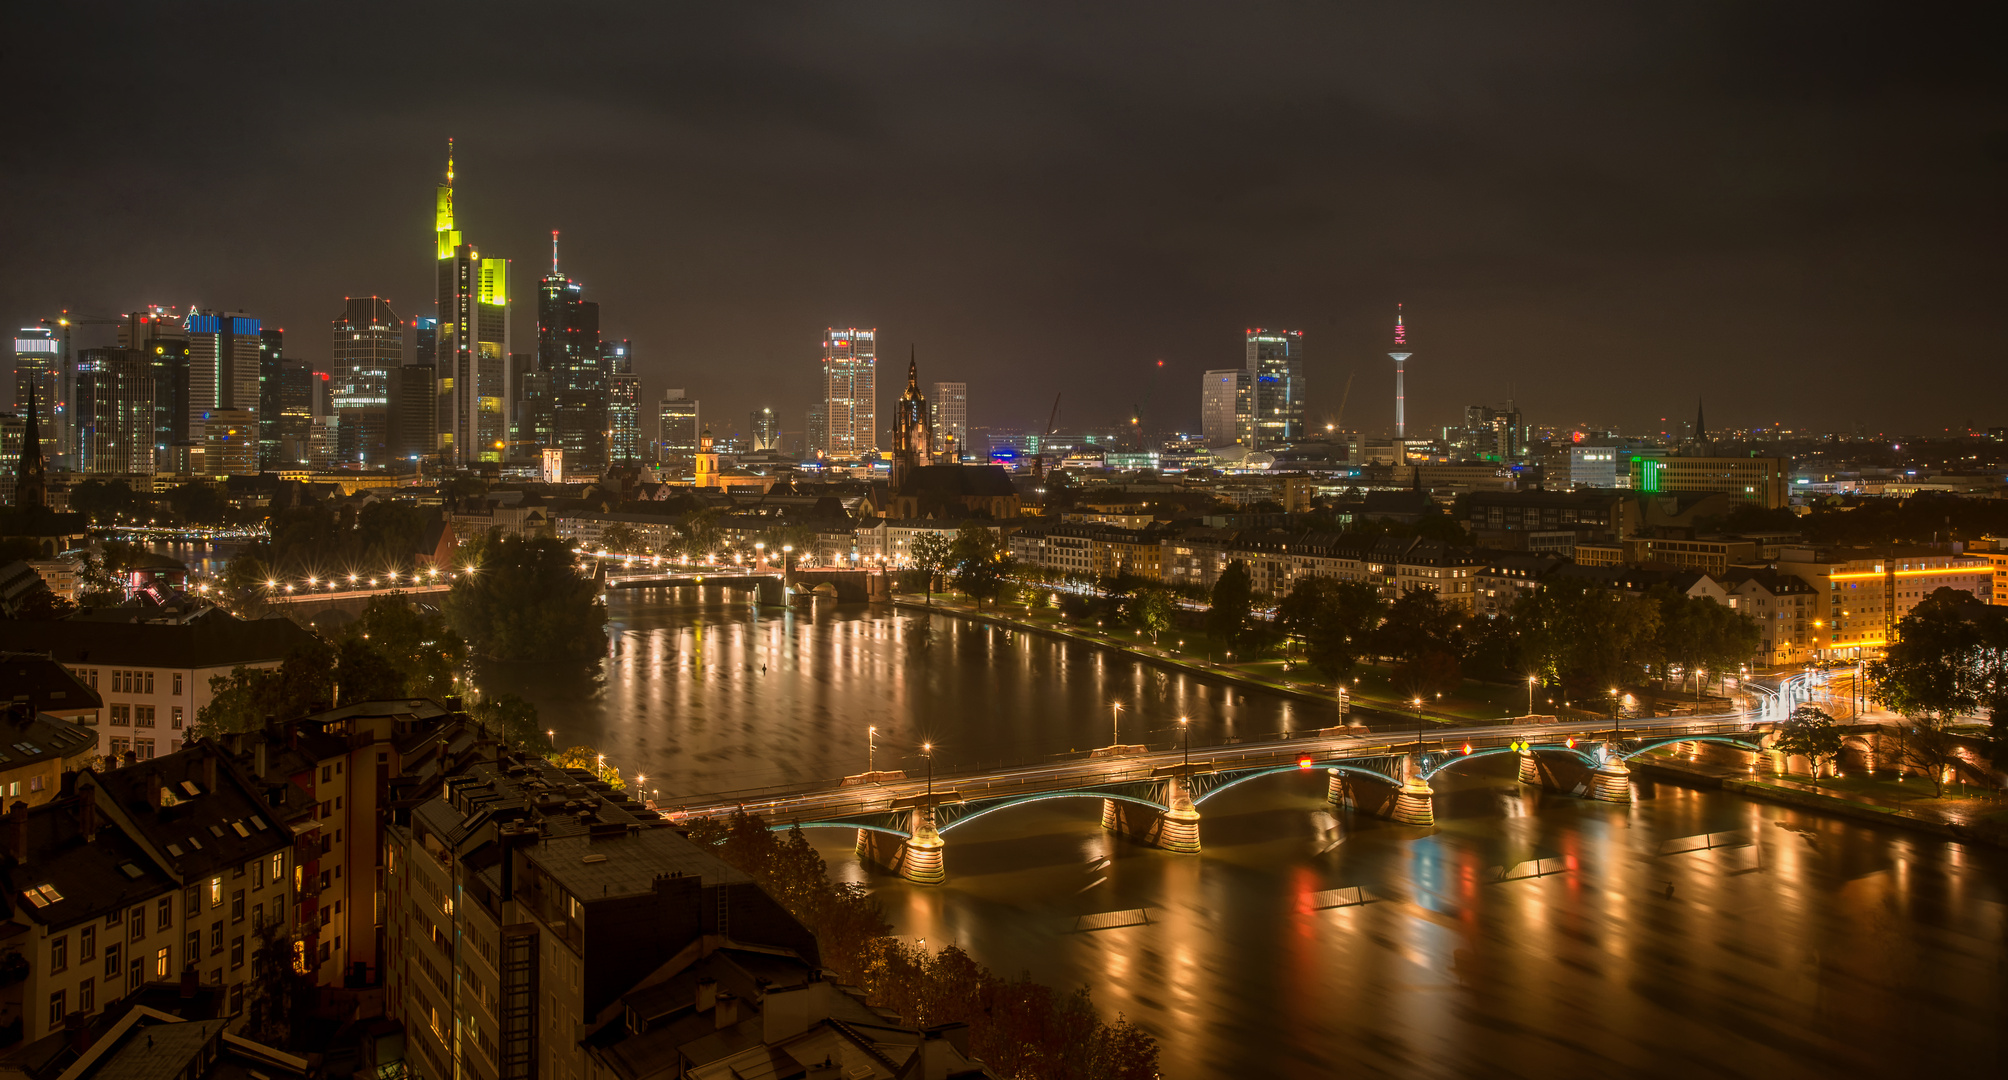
771, 584
1155, 795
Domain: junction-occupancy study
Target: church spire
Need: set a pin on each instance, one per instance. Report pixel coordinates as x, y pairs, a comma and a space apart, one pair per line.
31, 486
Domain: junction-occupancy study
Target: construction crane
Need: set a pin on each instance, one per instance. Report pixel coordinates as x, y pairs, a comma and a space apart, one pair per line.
1340, 420
1052, 425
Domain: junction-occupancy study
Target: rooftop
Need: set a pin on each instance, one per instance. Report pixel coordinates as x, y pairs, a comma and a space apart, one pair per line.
215, 641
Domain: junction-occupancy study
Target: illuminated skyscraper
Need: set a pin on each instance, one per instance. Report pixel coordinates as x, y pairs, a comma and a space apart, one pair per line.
817, 431
369, 345
223, 356
676, 444
1276, 381
473, 342
38, 364
850, 392
623, 403
568, 350
950, 403
1227, 408
766, 429
115, 413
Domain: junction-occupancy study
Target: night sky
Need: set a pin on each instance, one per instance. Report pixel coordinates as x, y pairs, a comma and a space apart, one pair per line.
1601, 210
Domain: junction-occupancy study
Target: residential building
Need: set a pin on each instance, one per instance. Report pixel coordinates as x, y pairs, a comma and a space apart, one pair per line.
850, 393
473, 342
1784, 608
1275, 363
40, 747
1500, 578
950, 405
1867, 591
171, 867
154, 677
1227, 407
1762, 481
1505, 519
525, 901
1995, 550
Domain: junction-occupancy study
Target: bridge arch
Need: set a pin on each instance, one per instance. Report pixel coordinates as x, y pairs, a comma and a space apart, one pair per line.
1752, 741
1315, 766
886, 829
1012, 802
1455, 759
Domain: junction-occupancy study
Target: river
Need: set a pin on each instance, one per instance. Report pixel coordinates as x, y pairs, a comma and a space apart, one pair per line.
1528, 934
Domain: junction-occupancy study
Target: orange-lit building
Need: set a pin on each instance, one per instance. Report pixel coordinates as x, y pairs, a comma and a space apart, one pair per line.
1861, 593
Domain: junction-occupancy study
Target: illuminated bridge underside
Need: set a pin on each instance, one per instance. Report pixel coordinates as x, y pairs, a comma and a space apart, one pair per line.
1154, 794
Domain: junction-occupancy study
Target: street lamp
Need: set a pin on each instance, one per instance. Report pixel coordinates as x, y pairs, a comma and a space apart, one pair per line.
552, 734
871, 748
1115, 723
1185, 728
1531, 680
927, 751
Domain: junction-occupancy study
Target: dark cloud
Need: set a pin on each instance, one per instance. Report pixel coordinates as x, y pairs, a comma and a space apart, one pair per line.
1602, 209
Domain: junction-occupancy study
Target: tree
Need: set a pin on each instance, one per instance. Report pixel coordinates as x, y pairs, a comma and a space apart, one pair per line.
1810, 733
280, 1000
980, 563
199, 503
1418, 623
591, 760
511, 719
1925, 745
1946, 658
1233, 600
1335, 619
1152, 611
621, 539
929, 553
1583, 636
418, 645
528, 602
104, 501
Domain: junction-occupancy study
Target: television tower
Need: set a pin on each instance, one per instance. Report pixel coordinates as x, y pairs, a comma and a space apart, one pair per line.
1399, 356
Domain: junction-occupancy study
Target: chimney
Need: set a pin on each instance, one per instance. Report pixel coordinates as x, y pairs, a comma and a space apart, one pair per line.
259, 757
17, 837
209, 770
707, 993
87, 815
188, 983
726, 1012
937, 1052
152, 782
786, 1013
77, 1026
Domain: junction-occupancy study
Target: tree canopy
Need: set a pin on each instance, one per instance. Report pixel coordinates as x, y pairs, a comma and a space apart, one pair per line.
527, 601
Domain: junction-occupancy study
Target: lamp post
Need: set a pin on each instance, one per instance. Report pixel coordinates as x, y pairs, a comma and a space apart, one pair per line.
1115, 723
927, 751
871, 748
1531, 680
1185, 729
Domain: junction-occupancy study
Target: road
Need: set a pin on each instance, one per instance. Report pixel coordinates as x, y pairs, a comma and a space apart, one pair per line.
829, 799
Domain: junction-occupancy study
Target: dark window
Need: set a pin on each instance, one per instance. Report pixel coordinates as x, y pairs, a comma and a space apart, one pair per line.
237, 952
111, 961
59, 953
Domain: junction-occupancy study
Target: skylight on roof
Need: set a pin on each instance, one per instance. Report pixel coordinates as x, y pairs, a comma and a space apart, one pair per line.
241, 830
216, 831
258, 823
174, 850
194, 843
189, 786
132, 871
42, 895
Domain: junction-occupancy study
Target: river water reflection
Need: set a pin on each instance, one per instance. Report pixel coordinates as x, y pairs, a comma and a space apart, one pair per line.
1619, 943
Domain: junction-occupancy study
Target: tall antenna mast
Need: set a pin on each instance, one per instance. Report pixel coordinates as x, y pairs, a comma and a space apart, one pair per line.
1399, 356
554, 253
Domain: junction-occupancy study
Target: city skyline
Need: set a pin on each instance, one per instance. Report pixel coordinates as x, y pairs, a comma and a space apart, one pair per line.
1546, 251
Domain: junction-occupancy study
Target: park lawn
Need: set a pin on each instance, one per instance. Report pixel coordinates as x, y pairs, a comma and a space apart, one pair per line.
1911, 791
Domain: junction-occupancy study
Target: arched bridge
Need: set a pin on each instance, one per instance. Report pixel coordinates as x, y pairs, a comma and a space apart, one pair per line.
1154, 795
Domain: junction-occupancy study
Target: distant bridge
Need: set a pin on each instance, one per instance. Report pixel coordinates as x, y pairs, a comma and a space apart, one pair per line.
1152, 795
773, 584
338, 606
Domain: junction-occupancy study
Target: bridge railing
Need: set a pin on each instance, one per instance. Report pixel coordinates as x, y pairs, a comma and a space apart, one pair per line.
831, 799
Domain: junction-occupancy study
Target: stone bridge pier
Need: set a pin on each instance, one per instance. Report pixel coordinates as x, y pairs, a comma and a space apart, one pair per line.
1411, 801
1611, 781
1176, 829
917, 857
